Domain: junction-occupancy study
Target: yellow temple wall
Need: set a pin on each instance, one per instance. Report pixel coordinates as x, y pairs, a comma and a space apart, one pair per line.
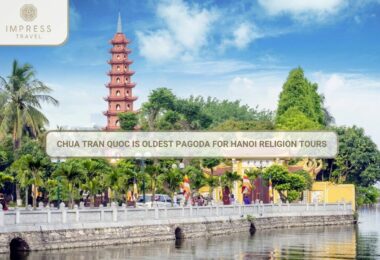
328, 192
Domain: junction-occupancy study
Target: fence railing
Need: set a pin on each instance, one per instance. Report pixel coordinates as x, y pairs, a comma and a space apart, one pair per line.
124, 214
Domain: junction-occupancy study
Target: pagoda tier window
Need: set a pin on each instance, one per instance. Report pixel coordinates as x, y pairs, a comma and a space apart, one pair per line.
118, 68
127, 94
117, 107
118, 57
117, 123
117, 80
118, 93
128, 106
125, 67
125, 56
126, 80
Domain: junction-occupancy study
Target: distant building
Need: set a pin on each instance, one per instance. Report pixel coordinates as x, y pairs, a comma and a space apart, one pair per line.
120, 98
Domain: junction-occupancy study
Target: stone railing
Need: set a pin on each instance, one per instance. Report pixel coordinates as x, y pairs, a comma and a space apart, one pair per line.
47, 216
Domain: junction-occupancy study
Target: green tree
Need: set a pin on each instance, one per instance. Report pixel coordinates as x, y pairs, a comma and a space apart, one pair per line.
225, 110
96, 171
74, 175
128, 120
367, 195
21, 97
245, 125
191, 115
253, 174
57, 189
288, 185
171, 180
300, 106
124, 175
212, 182
5, 178
293, 119
159, 101
229, 178
93, 186
210, 163
197, 178
30, 169
116, 180
358, 159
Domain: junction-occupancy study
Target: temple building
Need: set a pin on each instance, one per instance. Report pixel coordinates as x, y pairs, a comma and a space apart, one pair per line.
120, 98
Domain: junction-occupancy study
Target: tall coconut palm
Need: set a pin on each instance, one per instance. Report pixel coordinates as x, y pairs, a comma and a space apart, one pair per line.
21, 95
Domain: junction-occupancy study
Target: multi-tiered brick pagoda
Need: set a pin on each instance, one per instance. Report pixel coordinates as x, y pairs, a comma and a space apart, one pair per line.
120, 98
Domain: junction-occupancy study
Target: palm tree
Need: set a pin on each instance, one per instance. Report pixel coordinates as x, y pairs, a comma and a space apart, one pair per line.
212, 182
154, 171
20, 103
118, 179
197, 178
30, 169
93, 186
171, 181
252, 175
4, 178
74, 175
96, 171
229, 178
210, 163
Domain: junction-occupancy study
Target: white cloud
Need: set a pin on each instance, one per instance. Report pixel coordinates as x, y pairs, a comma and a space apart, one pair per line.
303, 9
188, 25
158, 46
185, 32
77, 107
244, 34
353, 99
209, 67
260, 88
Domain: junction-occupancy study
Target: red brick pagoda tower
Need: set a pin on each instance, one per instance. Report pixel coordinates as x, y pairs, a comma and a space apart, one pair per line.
120, 98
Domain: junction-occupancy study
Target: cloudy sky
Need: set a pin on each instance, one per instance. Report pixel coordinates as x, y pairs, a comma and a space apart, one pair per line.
223, 48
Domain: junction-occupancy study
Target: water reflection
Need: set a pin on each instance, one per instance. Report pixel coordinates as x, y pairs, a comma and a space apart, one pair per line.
339, 242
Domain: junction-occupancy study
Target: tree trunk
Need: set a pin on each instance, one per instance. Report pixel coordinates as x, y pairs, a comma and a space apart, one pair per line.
282, 196
26, 197
18, 195
211, 188
34, 194
92, 201
172, 198
153, 189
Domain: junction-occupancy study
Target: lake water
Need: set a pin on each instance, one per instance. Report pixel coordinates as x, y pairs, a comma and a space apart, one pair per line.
333, 242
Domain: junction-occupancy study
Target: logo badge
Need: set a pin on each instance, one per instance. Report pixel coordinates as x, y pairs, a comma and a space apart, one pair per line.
28, 12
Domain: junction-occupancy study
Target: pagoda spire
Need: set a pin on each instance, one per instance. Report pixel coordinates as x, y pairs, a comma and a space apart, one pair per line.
119, 26
120, 97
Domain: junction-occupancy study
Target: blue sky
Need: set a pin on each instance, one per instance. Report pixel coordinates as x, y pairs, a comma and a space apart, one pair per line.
227, 49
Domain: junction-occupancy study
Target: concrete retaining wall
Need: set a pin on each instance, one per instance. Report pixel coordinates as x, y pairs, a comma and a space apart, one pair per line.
99, 234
